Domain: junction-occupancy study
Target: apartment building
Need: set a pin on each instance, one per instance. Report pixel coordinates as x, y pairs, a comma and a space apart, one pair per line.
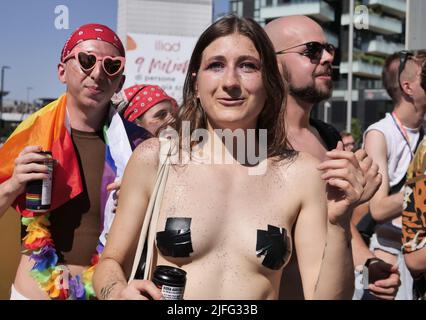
383, 34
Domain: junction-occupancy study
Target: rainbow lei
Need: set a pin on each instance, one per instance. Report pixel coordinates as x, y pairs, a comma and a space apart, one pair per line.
52, 278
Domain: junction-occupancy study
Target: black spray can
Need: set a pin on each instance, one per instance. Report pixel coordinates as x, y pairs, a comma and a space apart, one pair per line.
39, 192
171, 281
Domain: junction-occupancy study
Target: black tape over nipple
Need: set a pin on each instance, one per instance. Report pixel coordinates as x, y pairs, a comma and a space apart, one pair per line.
274, 244
175, 240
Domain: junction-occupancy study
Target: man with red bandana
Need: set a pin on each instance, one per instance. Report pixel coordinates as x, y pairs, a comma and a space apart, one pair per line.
58, 247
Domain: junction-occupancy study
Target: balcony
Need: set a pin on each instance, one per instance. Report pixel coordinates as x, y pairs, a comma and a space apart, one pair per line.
378, 24
342, 94
394, 7
14, 117
315, 8
381, 47
362, 69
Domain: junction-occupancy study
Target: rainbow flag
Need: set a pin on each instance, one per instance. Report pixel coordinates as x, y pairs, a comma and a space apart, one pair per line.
50, 129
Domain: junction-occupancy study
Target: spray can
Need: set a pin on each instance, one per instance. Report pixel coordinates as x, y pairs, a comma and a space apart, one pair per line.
39, 192
171, 281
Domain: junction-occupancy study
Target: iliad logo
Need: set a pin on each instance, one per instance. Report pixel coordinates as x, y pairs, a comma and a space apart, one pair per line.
167, 46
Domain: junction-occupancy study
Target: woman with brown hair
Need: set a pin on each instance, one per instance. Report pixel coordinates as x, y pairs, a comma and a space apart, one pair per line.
227, 224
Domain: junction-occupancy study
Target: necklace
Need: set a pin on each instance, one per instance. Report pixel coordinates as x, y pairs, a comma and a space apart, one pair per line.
54, 279
403, 132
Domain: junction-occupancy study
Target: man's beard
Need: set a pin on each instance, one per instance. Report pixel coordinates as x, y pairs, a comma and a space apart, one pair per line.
311, 93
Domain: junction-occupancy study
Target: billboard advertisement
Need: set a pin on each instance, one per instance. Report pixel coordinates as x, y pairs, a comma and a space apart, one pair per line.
158, 59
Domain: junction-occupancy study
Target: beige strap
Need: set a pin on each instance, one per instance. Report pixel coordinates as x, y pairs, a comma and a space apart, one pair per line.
152, 213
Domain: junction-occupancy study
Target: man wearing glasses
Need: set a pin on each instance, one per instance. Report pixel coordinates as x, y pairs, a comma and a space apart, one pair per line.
392, 142
305, 60
90, 144
349, 143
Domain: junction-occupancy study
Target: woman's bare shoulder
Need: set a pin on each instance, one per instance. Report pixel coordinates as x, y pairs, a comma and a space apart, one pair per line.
143, 165
307, 160
302, 163
302, 171
147, 153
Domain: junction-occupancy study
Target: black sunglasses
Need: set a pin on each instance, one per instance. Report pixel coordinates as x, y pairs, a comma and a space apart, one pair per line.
404, 55
313, 51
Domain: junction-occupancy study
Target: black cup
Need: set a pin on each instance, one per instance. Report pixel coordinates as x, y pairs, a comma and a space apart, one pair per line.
171, 281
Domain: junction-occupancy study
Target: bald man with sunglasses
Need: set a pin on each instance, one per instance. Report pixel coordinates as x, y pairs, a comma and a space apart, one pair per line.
91, 144
305, 61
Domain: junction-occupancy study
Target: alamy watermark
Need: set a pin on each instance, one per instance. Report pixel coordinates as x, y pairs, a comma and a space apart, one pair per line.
361, 17
62, 19
222, 146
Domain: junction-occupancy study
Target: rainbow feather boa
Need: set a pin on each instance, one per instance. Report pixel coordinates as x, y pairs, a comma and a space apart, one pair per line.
52, 278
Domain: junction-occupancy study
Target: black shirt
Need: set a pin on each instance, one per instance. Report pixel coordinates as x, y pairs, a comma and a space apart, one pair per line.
328, 133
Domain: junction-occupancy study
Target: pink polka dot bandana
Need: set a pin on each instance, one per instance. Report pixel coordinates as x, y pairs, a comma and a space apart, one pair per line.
140, 98
92, 31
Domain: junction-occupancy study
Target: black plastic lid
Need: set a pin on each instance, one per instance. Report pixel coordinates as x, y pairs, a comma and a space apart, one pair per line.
169, 276
46, 152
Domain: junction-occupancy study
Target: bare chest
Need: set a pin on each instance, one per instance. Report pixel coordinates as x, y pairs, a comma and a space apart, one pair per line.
226, 210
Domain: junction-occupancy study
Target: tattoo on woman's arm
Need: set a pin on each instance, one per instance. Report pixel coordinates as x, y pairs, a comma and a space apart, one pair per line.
106, 291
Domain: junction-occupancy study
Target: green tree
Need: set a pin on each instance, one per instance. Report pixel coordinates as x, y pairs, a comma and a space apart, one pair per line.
356, 129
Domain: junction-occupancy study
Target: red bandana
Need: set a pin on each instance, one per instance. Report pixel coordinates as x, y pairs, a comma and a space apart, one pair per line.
92, 31
141, 98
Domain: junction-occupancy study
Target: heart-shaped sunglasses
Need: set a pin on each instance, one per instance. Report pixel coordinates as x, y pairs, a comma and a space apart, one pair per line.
87, 61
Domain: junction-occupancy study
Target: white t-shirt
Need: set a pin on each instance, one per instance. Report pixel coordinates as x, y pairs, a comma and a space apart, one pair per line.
399, 153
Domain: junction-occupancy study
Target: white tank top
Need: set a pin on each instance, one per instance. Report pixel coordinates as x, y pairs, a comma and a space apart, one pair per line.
399, 150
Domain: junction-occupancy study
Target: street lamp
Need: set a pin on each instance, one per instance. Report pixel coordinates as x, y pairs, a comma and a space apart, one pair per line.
2, 93
327, 106
350, 64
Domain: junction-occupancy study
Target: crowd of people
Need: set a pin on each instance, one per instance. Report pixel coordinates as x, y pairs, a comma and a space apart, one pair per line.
357, 231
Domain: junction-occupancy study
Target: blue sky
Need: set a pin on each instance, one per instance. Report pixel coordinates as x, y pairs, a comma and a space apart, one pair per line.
31, 44
221, 6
